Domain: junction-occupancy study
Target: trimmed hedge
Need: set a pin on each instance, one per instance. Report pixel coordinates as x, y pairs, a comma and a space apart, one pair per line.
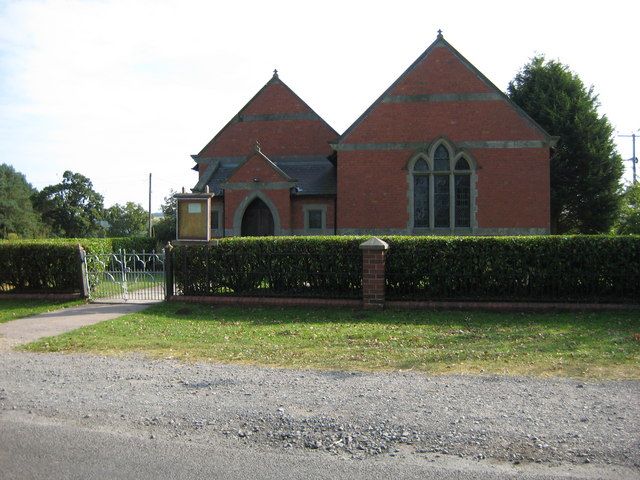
551, 268
275, 266
542, 268
96, 245
39, 268
52, 265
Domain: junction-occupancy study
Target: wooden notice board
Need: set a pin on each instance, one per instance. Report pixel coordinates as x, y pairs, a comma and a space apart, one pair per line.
193, 218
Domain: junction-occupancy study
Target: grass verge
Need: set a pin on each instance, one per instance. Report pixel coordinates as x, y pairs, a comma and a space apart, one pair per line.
589, 345
12, 309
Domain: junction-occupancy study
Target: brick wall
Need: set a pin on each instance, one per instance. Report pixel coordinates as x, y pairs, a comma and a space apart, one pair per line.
297, 210
278, 137
512, 183
256, 167
372, 189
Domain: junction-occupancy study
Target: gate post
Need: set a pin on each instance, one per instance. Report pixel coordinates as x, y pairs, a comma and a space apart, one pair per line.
374, 253
84, 277
168, 271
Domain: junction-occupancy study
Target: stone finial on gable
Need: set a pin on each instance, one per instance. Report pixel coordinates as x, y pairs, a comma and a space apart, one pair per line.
256, 147
439, 37
275, 73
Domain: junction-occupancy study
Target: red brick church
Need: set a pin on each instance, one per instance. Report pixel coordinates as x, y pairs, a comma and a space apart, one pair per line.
441, 151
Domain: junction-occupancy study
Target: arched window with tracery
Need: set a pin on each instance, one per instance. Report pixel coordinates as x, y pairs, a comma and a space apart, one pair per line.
441, 190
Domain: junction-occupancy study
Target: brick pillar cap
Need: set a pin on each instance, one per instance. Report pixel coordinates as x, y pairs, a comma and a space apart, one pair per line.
374, 244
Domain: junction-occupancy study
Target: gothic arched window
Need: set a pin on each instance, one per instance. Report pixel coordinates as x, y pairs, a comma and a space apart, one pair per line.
442, 194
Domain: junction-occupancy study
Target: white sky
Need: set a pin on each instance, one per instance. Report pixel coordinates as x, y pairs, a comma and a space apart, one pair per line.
117, 89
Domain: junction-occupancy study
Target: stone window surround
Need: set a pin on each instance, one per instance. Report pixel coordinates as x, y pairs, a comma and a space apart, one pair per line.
454, 155
305, 212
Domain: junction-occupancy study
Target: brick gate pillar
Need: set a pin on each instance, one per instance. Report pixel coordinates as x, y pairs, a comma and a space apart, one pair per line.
374, 252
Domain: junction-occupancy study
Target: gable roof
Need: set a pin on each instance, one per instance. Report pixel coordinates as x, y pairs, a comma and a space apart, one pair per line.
314, 175
441, 42
258, 153
290, 113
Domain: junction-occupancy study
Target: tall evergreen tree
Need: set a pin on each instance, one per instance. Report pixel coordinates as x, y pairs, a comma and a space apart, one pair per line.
16, 210
71, 208
585, 167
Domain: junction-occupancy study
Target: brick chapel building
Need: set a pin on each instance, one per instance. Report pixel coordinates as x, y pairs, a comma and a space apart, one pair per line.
441, 151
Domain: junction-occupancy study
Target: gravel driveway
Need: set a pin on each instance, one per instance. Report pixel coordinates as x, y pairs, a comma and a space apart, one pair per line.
519, 421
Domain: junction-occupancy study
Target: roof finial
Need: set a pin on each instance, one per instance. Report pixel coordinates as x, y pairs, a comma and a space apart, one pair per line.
256, 147
440, 34
275, 73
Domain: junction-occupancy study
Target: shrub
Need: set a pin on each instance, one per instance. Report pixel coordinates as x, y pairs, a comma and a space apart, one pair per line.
48, 266
558, 268
290, 266
39, 267
549, 268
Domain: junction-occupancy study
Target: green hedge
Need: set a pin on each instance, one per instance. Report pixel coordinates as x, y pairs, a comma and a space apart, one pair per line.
97, 245
549, 268
52, 265
552, 268
27, 267
288, 266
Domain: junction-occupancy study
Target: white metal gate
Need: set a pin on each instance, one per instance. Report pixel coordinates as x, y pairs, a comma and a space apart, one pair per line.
125, 276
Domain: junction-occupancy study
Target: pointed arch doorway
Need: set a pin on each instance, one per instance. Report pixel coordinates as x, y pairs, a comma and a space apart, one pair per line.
257, 220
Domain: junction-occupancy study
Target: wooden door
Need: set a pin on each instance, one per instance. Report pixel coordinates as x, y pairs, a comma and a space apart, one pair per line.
257, 220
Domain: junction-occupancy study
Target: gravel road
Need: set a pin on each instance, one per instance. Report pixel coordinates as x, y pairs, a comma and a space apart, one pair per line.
486, 419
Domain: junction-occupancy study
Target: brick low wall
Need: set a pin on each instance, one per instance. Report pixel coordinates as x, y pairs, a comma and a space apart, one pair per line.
410, 305
269, 301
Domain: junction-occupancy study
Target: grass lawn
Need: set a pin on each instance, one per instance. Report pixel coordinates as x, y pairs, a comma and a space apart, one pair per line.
591, 345
11, 309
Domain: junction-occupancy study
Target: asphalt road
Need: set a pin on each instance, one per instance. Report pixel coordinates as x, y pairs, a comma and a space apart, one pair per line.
33, 447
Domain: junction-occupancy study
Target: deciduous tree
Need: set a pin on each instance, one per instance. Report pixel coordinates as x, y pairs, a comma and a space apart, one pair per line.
629, 221
71, 208
165, 228
126, 220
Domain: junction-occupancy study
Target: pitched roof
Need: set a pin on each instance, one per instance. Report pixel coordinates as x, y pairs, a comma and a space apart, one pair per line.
314, 175
438, 43
278, 118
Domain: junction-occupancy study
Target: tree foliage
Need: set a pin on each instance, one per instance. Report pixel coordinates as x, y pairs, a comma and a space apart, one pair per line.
585, 167
17, 216
165, 228
629, 220
126, 220
71, 208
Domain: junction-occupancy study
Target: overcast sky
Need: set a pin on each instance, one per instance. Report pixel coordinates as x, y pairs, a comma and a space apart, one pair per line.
117, 89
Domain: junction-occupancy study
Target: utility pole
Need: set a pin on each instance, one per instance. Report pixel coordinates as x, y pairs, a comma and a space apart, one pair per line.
633, 158
150, 205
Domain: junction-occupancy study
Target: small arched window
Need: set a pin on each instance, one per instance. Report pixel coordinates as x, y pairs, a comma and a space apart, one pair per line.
421, 193
462, 192
442, 195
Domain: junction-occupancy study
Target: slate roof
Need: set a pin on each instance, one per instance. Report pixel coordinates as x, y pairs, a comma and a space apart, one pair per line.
315, 174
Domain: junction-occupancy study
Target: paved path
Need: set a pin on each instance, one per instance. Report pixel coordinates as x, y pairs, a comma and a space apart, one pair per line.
25, 330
